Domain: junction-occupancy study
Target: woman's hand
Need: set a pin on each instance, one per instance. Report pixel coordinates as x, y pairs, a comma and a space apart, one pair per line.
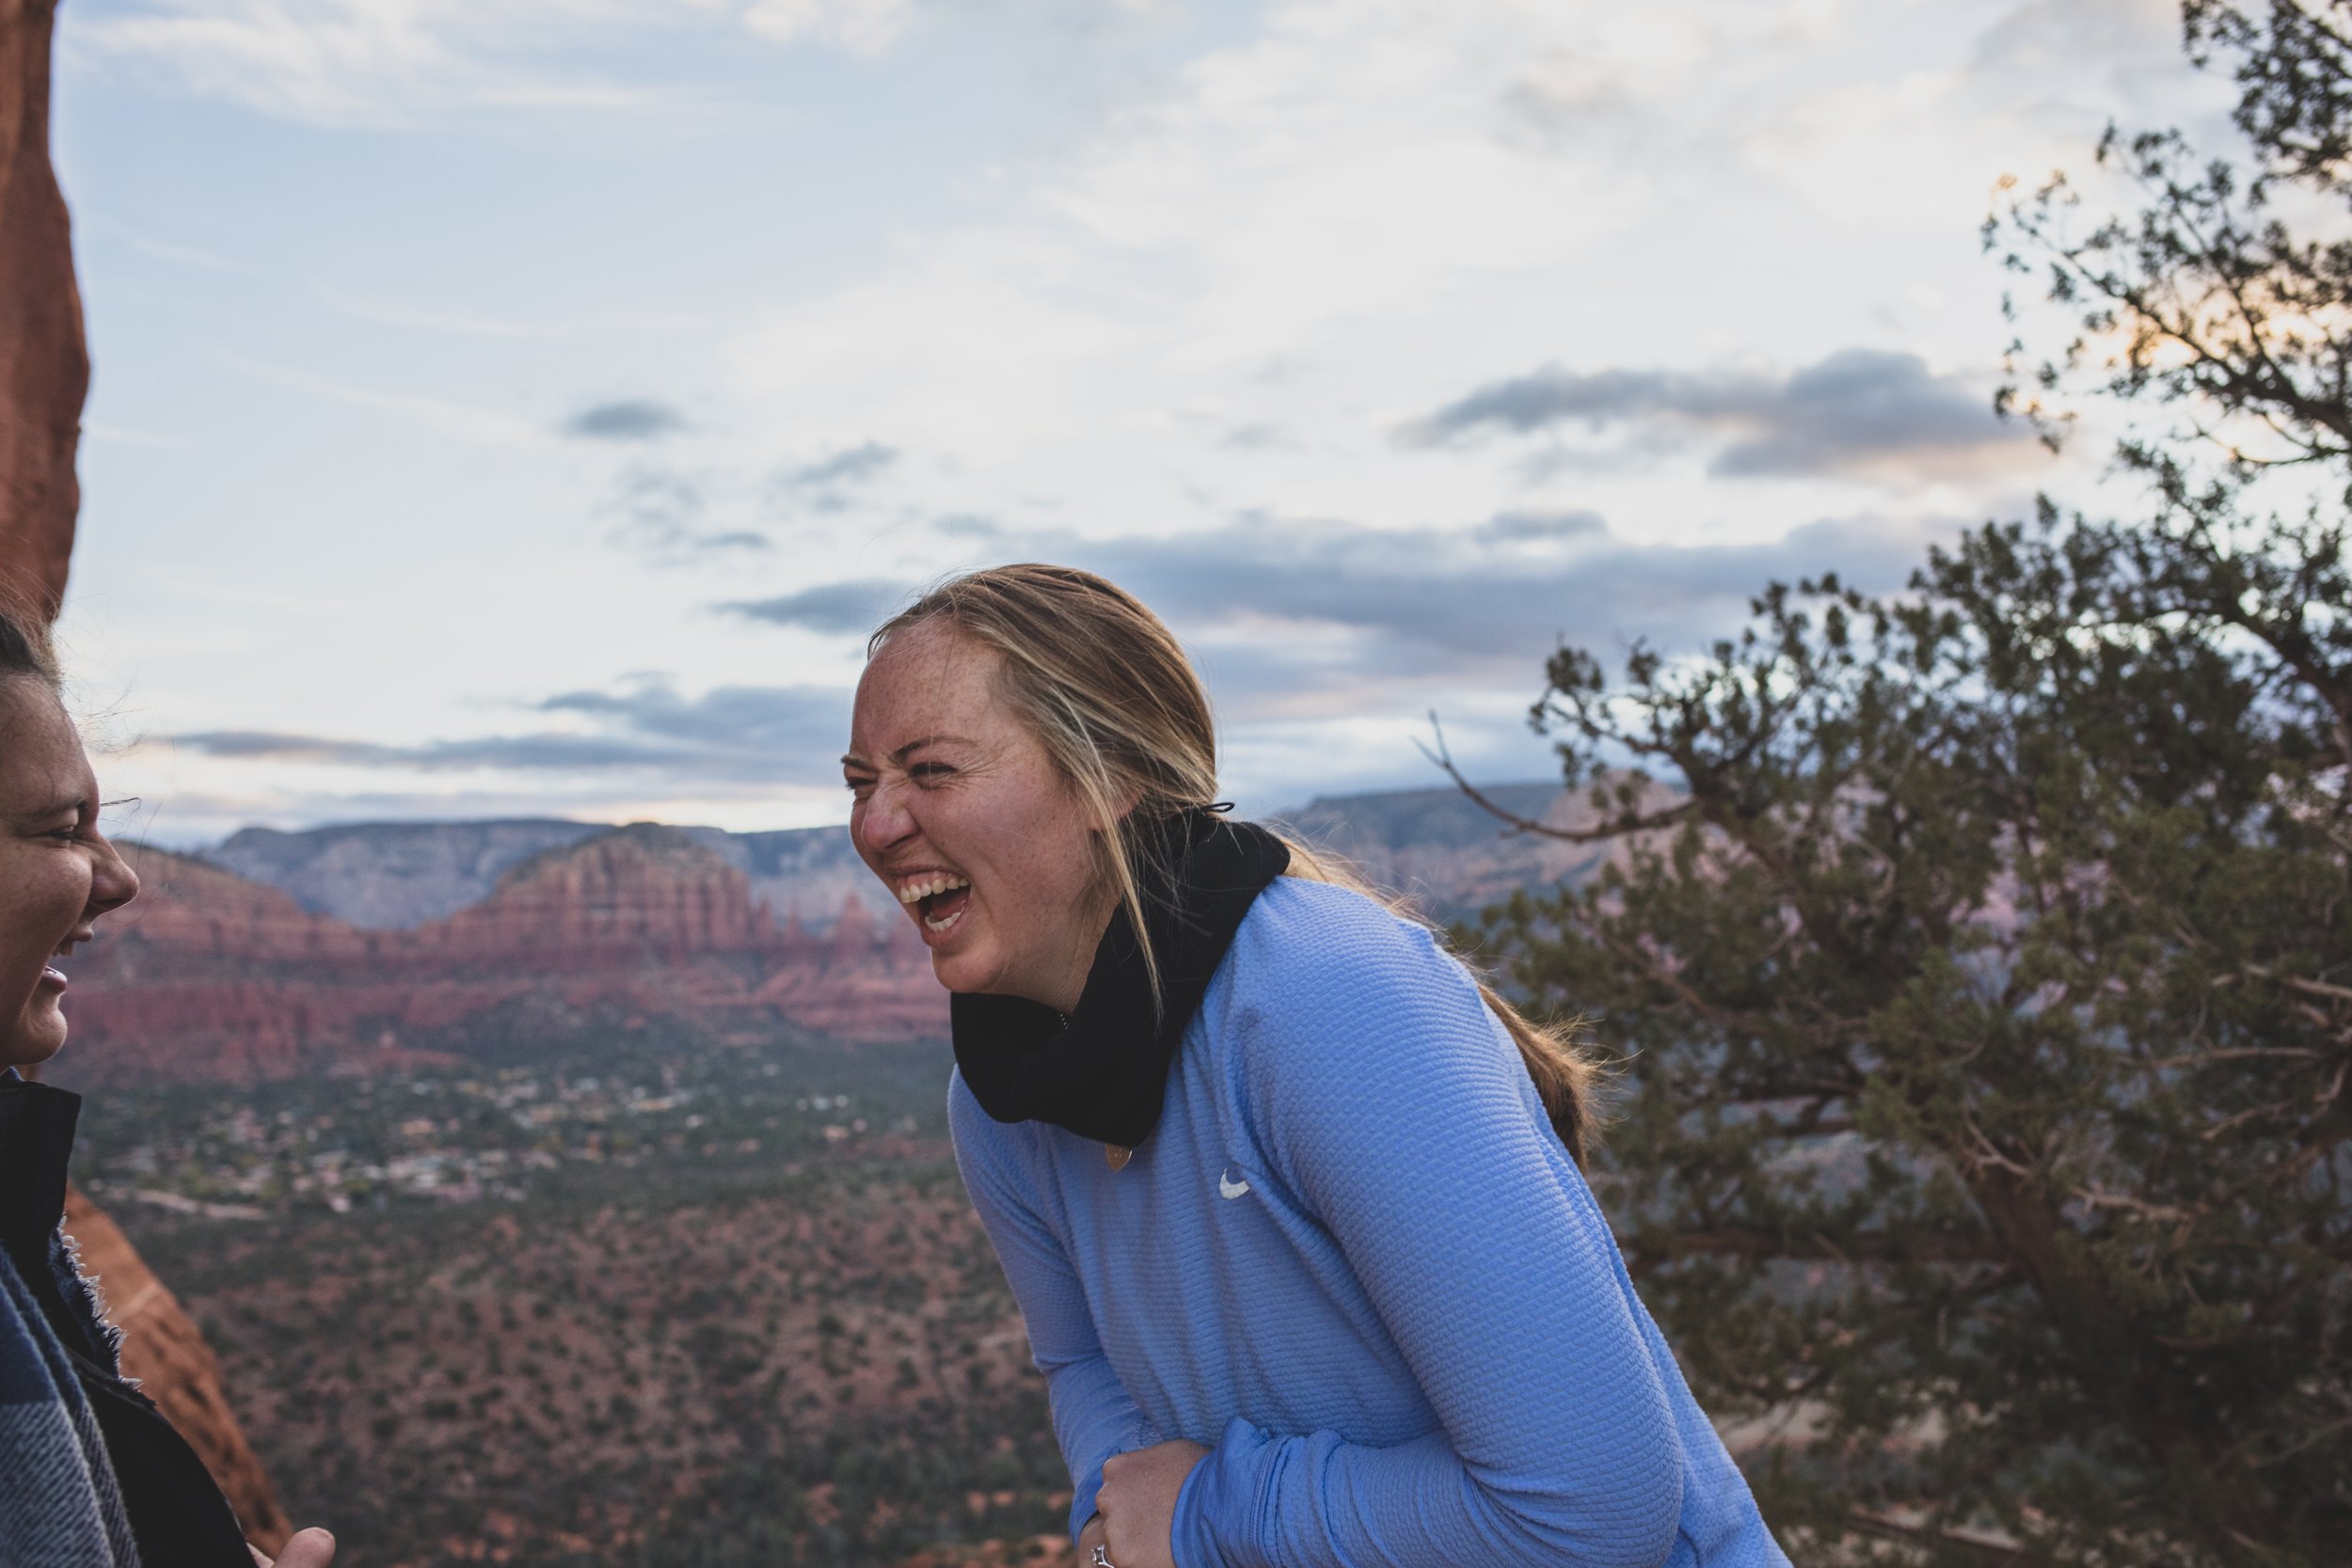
309, 1548
1136, 1506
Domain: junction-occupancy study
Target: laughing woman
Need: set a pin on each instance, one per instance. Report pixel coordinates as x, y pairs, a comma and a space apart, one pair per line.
1291, 1203
91, 1475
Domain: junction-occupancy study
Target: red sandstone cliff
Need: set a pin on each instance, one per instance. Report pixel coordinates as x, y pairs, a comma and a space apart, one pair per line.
189, 914
45, 368
211, 978
162, 1348
635, 895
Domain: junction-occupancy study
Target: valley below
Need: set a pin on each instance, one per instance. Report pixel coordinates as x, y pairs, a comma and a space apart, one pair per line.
729, 1307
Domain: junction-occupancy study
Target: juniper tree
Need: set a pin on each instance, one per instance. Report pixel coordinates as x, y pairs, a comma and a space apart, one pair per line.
1982, 955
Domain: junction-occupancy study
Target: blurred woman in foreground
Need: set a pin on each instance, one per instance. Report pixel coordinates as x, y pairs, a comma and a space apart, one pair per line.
1289, 1202
91, 1475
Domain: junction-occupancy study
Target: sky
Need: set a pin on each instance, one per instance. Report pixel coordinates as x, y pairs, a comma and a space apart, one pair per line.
526, 407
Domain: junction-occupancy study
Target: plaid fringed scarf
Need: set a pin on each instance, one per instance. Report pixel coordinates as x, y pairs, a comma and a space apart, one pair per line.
60, 1507
60, 1504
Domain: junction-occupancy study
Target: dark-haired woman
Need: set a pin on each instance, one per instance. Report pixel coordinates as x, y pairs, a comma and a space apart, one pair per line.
1289, 1202
91, 1475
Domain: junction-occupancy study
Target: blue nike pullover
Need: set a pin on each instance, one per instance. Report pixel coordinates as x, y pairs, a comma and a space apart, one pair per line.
1355, 1260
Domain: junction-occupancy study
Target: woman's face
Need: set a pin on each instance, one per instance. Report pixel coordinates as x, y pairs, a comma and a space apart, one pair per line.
961, 815
58, 873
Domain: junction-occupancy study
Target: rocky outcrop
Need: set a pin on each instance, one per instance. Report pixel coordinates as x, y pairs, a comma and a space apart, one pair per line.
163, 1349
865, 979
808, 874
190, 915
44, 367
393, 875
643, 893
208, 977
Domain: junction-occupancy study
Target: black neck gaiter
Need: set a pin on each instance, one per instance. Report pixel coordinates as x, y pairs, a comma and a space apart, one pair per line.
1105, 1075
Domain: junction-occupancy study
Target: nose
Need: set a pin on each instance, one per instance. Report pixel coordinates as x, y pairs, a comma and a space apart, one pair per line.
112, 883
884, 819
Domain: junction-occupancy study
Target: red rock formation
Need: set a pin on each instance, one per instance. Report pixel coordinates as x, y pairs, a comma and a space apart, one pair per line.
637, 894
45, 368
211, 978
861, 980
190, 913
162, 1348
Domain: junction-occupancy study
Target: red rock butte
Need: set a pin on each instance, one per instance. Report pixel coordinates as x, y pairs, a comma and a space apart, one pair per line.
208, 977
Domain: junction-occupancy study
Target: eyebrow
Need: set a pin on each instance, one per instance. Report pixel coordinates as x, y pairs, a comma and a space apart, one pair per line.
903, 753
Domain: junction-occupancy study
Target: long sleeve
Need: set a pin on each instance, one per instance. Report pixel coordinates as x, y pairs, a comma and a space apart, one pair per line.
1093, 1418
1390, 1103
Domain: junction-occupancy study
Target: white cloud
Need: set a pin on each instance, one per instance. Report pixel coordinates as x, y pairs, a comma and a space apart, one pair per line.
1349, 163
860, 26
1920, 148
396, 62
351, 61
1302, 232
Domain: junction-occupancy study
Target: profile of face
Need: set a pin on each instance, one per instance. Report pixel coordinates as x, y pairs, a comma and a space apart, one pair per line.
963, 814
57, 872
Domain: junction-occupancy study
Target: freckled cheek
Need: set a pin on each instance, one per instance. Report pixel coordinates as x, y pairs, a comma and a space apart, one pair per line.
1040, 878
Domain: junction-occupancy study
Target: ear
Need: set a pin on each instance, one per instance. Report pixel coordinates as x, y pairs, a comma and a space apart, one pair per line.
1106, 811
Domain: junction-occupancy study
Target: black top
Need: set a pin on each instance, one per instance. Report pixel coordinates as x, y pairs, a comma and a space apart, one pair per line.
178, 1514
1102, 1072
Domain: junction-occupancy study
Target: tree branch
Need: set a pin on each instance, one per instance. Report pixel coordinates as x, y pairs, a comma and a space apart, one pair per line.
1514, 823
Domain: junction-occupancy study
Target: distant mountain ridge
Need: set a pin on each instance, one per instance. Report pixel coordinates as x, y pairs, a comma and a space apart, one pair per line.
209, 977
1433, 845
392, 875
1444, 851
374, 947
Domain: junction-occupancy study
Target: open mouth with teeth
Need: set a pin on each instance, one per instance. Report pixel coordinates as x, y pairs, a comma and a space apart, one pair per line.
938, 900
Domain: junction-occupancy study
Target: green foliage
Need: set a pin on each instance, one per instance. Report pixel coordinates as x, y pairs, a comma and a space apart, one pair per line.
1983, 955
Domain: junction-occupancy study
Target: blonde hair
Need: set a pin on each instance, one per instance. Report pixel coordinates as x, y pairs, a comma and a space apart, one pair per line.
1107, 691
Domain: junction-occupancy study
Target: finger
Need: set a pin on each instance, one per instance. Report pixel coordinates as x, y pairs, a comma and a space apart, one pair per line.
259, 1560
309, 1548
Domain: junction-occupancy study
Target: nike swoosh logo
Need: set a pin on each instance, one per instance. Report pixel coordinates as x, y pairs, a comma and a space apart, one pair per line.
1228, 1187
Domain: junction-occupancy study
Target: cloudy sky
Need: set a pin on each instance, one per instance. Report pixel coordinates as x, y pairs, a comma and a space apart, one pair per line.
525, 406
